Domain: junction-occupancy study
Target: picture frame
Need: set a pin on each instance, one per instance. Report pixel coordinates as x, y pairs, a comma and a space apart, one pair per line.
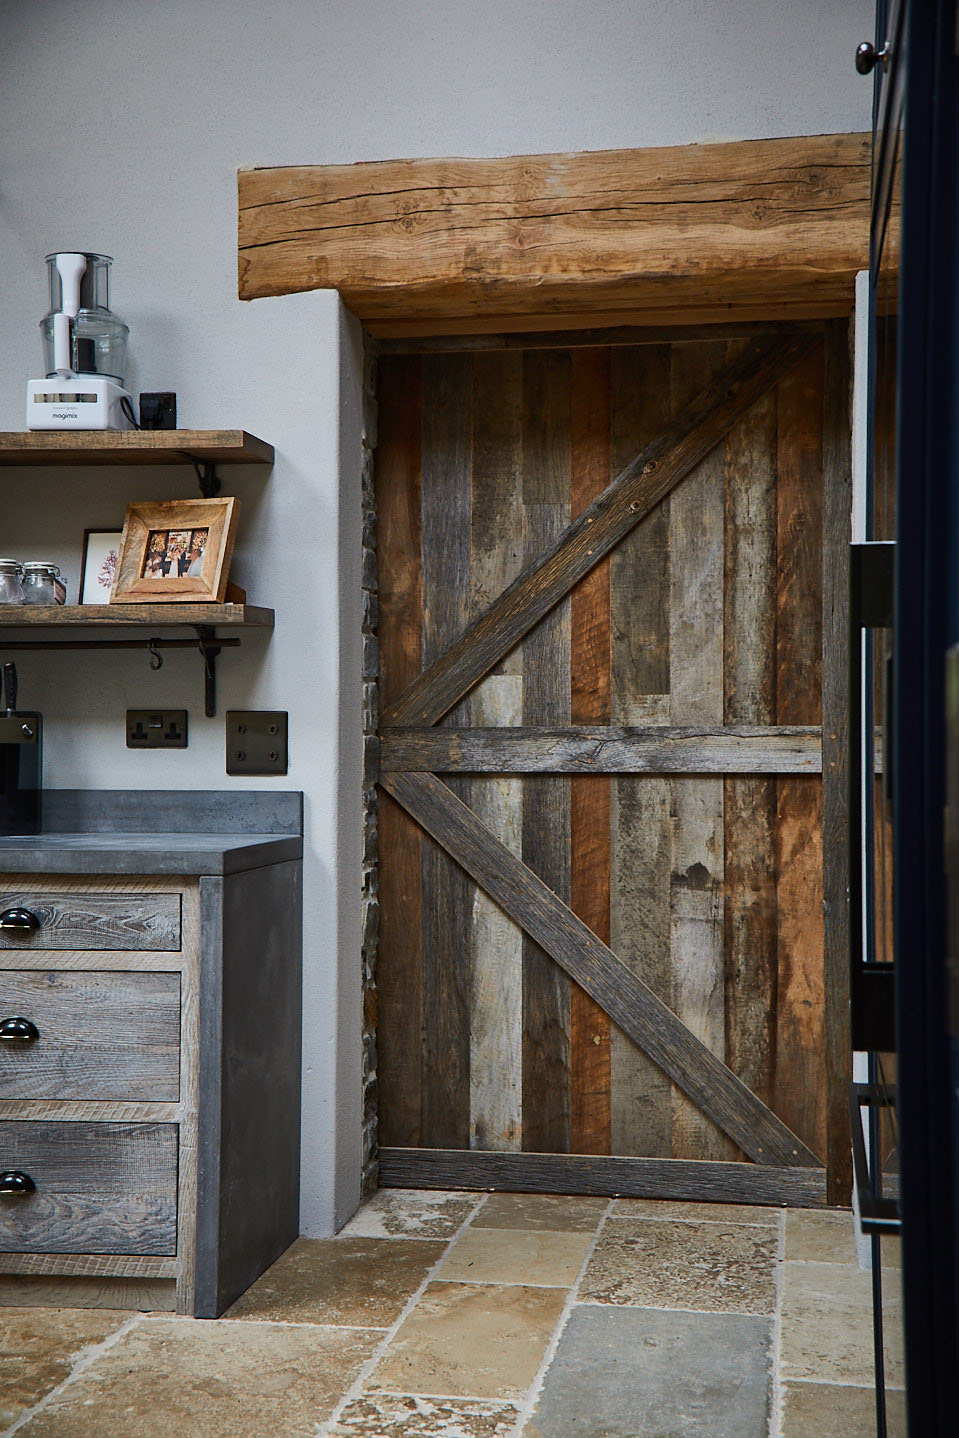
176, 551
98, 566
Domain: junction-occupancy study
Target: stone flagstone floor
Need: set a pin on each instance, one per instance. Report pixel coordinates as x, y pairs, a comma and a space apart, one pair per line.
460, 1315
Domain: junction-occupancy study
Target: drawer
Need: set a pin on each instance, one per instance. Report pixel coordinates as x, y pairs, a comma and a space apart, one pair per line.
98, 1188
100, 1035
92, 921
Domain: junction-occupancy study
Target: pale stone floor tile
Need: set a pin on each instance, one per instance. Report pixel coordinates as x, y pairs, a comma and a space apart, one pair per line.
541, 1211
715, 1267
642, 1373
827, 1323
394, 1415
38, 1348
360, 1282
186, 1378
820, 1236
491, 1255
754, 1216
826, 1410
410, 1213
478, 1341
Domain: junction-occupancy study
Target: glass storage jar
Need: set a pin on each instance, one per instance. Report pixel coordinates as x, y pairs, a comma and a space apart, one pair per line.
11, 587
39, 582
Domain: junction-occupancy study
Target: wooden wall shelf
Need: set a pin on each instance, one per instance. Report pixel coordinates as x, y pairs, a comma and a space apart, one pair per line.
203, 619
144, 446
153, 616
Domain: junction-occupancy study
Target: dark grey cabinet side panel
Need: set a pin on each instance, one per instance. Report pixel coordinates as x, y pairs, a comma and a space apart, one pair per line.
94, 921
100, 1188
102, 1035
257, 1071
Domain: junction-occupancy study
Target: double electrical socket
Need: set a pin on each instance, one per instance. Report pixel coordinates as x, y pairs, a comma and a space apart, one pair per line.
156, 729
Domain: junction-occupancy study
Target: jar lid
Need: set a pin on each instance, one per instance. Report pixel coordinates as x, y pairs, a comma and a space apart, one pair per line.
43, 565
10, 565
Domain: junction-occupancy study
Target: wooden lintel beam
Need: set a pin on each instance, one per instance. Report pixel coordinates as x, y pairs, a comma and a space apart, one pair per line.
754, 226
594, 750
630, 1003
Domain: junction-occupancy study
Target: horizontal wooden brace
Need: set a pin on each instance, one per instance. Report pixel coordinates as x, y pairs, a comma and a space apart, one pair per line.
690, 1179
781, 750
695, 232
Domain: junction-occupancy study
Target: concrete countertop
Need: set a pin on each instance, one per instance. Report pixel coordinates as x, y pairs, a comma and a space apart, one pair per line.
126, 853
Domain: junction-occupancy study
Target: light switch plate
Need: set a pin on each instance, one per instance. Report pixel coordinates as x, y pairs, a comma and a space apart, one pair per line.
156, 728
257, 741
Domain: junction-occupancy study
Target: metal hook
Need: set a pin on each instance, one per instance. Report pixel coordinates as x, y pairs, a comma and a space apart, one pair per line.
156, 658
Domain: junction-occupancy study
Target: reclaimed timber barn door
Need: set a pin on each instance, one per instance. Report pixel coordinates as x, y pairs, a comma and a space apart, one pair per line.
603, 964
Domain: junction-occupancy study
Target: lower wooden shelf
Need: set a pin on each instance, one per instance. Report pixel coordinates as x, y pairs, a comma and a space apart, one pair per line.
203, 619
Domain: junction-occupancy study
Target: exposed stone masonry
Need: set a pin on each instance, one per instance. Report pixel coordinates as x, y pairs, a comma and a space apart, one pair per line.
371, 719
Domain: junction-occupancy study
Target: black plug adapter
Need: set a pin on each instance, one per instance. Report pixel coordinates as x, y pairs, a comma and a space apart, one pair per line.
158, 410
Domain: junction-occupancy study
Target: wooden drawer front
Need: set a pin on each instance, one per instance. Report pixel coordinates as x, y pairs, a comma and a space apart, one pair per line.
94, 921
102, 1036
100, 1188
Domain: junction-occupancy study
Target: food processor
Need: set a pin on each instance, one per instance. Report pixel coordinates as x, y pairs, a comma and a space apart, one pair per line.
84, 350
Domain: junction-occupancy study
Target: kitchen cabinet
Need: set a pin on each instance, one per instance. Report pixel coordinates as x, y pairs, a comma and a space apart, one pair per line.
149, 1049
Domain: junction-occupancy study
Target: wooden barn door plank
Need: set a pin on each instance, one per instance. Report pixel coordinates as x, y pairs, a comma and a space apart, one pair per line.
447, 892
632, 495
696, 697
589, 1025
546, 700
628, 1001
640, 1101
399, 975
801, 995
749, 804
496, 986
837, 508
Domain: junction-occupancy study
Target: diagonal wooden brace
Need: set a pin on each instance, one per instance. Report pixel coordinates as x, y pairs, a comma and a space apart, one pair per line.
630, 1003
622, 505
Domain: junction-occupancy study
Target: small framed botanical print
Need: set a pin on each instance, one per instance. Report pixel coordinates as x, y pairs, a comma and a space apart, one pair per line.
101, 551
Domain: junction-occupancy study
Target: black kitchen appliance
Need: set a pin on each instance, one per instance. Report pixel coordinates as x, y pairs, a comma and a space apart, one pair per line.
21, 750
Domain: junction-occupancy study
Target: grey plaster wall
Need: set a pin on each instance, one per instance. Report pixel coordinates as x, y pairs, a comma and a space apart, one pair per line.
121, 129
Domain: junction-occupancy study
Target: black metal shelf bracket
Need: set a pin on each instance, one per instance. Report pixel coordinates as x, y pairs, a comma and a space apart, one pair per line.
207, 477
210, 648
206, 641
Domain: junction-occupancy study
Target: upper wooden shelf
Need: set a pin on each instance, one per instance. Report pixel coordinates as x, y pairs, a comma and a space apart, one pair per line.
144, 446
156, 616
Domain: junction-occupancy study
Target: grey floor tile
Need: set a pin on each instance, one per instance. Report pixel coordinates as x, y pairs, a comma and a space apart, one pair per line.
642, 1373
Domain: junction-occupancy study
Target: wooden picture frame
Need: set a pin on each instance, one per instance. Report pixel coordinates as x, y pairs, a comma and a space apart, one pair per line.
176, 551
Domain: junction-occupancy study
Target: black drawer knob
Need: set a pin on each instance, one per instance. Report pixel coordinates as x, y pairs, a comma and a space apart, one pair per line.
18, 1031
15, 1184
20, 919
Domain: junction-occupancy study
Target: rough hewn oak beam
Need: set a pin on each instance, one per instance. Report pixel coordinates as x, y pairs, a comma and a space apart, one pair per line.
630, 1003
598, 529
690, 231
593, 750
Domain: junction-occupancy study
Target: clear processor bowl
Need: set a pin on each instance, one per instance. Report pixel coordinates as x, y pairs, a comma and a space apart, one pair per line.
99, 341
